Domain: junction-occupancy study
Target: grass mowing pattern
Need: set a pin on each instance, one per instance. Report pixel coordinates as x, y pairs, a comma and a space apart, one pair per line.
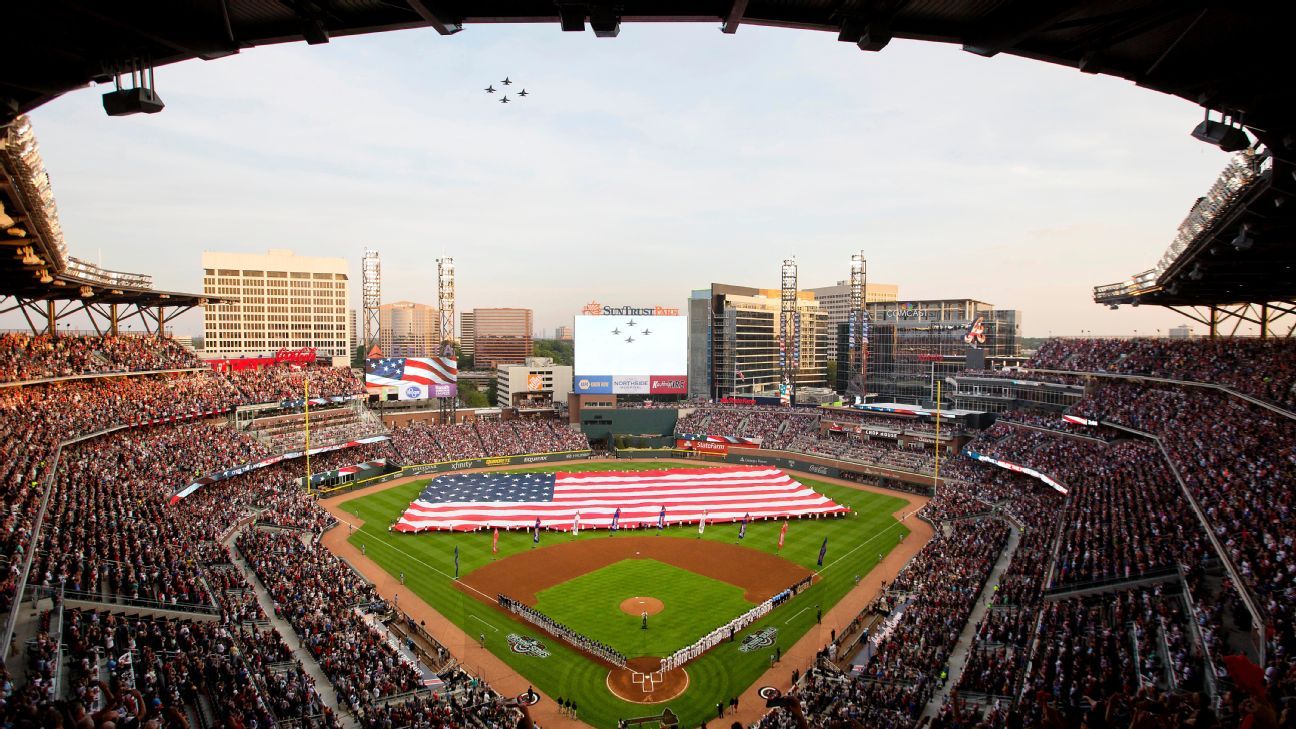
855, 544
693, 606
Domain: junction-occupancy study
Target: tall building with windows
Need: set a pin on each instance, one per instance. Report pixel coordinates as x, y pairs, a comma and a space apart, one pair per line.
407, 329
912, 345
351, 330
276, 300
836, 301
501, 336
467, 334
734, 341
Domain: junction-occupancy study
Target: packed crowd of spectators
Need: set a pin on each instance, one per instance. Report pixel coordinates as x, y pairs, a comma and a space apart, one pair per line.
419, 443
35, 357
321, 597
1126, 515
1263, 368
771, 426
178, 669
114, 534
861, 449
466, 702
1238, 462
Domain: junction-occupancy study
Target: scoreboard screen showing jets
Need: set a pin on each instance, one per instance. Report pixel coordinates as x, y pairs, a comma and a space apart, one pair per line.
631, 355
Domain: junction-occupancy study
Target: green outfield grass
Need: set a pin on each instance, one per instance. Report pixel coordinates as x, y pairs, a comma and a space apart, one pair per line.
694, 606
855, 544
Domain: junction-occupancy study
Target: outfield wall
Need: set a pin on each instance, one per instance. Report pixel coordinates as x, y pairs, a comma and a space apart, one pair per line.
463, 465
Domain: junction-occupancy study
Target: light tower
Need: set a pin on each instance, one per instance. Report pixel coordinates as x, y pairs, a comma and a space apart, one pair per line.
370, 297
446, 306
789, 332
857, 358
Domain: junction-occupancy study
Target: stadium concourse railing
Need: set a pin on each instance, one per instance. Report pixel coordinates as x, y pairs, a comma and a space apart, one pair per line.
424, 469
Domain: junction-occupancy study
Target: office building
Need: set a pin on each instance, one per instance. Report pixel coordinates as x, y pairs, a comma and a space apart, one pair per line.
467, 334
914, 344
836, 300
407, 329
734, 334
537, 383
563, 333
276, 300
352, 337
500, 336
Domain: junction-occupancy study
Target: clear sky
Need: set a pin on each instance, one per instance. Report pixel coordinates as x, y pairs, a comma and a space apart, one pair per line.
640, 168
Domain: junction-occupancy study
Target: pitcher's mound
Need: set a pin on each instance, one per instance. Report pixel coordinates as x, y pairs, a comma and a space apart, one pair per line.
637, 606
639, 684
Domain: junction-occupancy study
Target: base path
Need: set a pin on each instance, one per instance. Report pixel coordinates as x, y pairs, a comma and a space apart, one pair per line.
638, 684
508, 682
637, 606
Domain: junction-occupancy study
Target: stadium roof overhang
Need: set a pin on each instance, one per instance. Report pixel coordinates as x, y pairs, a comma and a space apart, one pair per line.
1244, 256
1224, 56
40, 279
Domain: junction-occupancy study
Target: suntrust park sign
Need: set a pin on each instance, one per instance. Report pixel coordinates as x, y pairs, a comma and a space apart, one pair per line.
594, 308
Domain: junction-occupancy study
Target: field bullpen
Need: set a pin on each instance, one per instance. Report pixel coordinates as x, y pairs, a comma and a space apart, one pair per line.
523, 570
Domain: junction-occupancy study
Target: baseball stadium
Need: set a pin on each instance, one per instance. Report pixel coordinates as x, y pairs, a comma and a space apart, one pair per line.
1094, 533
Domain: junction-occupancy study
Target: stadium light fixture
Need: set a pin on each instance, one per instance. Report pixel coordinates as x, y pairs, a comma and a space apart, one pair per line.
1221, 134
1243, 241
571, 17
605, 21
140, 98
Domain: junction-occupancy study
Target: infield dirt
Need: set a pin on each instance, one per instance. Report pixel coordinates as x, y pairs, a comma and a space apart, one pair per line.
522, 576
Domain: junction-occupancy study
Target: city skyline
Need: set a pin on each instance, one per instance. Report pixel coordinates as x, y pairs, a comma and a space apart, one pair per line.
957, 176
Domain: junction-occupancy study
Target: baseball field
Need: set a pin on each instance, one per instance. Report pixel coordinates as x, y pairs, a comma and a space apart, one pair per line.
601, 585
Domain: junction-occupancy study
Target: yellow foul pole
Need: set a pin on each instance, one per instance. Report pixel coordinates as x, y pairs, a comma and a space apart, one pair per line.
306, 391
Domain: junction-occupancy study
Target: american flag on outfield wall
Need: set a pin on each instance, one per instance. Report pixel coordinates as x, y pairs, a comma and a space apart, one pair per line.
465, 502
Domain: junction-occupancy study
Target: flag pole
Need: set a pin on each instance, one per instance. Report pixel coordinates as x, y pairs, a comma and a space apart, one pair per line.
306, 392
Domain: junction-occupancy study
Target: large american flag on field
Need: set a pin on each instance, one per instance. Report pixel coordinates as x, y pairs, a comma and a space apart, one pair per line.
397, 371
465, 502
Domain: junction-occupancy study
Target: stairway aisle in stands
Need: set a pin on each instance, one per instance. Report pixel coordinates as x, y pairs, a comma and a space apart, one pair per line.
322, 683
958, 656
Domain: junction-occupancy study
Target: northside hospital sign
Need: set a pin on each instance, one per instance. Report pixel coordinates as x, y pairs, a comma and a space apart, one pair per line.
594, 308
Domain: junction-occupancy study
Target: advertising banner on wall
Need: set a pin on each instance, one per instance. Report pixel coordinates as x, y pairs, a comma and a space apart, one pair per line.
701, 446
535, 382
592, 385
630, 384
667, 385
